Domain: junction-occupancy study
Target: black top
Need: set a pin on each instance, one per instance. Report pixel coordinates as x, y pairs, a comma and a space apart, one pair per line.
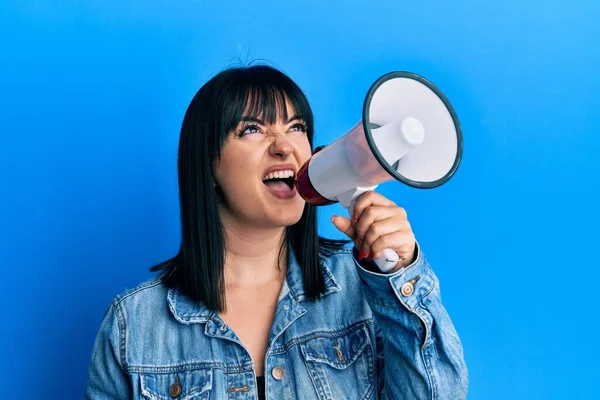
260, 383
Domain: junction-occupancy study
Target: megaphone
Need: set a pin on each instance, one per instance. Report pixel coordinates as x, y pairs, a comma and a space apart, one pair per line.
409, 132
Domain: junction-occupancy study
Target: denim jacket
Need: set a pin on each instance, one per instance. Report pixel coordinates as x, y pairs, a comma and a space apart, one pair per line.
370, 336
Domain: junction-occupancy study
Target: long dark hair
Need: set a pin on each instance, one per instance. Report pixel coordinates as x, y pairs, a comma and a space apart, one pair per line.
197, 269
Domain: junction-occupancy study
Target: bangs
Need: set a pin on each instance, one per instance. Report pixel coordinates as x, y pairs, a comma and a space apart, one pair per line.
263, 93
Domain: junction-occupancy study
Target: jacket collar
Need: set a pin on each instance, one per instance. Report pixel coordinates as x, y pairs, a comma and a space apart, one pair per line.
186, 311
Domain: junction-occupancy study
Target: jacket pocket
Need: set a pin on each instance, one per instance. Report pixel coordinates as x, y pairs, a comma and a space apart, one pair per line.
341, 367
186, 385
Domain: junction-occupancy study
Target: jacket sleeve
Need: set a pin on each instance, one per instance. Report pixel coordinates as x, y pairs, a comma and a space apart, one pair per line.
106, 376
419, 351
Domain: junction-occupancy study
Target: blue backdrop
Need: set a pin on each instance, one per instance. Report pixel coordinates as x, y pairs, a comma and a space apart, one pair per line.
92, 94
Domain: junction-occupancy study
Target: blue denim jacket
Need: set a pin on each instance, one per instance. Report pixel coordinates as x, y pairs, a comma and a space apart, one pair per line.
371, 336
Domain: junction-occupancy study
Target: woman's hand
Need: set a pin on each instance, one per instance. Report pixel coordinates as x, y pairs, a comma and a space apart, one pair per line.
378, 224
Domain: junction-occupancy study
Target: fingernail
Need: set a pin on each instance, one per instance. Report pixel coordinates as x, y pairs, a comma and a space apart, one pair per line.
362, 255
371, 255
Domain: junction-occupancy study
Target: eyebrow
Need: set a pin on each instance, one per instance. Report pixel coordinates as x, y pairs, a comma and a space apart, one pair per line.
249, 118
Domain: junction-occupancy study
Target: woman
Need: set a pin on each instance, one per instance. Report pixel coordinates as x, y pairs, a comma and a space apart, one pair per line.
255, 305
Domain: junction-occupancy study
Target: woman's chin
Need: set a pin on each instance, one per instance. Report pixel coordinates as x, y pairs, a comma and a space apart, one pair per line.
284, 218
284, 222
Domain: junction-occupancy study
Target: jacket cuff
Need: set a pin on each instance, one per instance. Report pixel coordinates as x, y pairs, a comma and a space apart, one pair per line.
408, 285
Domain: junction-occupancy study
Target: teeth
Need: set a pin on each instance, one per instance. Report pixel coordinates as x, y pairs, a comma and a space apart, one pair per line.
279, 175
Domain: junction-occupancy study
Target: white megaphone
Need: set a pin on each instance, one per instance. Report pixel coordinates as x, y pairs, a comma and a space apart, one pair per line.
409, 132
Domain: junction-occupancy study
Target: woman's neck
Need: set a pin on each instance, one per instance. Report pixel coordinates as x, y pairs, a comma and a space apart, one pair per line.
253, 256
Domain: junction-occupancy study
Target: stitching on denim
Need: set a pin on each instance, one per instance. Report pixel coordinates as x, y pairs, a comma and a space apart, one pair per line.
119, 299
179, 368
294, 295
335, 285
429, 369
422, 306
433, 286
426, 348
349, 360
318, 384
204, 391
310, 376
367, 347
371, 374
185, 318
320, 334
122, 333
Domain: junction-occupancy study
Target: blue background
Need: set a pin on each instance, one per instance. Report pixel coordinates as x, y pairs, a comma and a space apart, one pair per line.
92, 94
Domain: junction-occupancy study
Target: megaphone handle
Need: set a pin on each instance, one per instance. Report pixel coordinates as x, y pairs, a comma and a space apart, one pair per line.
388, 258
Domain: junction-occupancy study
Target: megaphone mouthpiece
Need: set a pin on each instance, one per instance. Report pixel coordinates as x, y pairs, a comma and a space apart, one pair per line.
398, 138
413, 131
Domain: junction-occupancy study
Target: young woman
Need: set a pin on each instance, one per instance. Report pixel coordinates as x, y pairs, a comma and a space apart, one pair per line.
255, 304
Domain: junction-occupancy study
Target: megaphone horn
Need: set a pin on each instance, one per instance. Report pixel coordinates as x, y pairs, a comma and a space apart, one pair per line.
409, 132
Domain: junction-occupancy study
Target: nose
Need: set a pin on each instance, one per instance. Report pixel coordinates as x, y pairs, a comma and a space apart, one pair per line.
281, 147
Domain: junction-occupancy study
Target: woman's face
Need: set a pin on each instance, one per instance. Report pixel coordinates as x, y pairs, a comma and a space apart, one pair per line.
257, 168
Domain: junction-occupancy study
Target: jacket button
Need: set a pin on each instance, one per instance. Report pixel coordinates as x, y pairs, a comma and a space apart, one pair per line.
407, 289
277, 373
175, 389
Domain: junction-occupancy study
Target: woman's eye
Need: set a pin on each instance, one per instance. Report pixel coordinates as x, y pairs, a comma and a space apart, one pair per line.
298, 128
248, 130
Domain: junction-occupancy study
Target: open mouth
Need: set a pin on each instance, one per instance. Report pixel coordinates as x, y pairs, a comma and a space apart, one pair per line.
280, 180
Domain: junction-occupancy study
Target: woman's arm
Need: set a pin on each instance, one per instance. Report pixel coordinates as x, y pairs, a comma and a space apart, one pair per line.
418, 347
106, 377
422, 354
